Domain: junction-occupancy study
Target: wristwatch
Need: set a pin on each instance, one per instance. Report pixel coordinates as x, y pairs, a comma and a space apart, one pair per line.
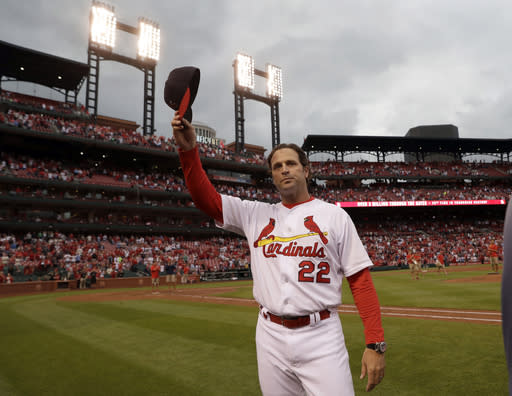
379, 347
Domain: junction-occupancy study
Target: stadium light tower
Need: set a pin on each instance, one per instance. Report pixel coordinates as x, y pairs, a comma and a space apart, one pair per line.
149, 40
244, 72
274, 82
103, 25
102, 40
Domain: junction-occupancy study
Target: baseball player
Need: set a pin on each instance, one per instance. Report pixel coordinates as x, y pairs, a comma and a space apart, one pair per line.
440, 263
155, 277
492, 250
413, 259
301, 249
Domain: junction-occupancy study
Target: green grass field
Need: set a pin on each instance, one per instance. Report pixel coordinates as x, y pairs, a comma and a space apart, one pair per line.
170, 347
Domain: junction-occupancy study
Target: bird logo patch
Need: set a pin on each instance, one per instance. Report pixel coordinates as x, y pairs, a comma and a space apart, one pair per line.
313, 227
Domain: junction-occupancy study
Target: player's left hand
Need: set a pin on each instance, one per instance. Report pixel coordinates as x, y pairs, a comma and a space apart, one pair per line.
373, 364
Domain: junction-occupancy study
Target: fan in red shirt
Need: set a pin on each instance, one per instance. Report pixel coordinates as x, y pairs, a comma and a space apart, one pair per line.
440, 263
155, 277
493, 250
413, 259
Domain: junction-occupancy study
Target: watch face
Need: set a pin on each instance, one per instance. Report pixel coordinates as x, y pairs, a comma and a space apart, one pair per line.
381, 347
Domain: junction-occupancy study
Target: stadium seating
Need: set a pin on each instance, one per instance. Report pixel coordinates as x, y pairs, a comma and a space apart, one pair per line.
43, 190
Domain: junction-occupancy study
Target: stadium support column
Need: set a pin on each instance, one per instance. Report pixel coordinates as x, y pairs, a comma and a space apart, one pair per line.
70, 97
274, 115
149, 100
239, 122
91, 96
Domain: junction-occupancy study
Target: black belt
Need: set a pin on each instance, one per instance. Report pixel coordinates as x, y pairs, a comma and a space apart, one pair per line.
294, 322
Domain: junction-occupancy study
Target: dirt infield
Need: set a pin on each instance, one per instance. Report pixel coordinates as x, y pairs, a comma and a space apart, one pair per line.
210, 295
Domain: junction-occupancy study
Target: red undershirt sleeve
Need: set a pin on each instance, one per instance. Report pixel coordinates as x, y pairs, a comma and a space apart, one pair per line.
204, 195
367, 304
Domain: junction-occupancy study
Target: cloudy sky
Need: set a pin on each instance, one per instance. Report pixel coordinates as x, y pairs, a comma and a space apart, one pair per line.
360, 67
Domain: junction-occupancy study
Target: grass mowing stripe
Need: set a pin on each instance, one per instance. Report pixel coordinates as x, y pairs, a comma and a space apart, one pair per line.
43, 361
6, 387
425, 357
435, 290
442, 337
193, 310
168, 318
431, 357
161, 343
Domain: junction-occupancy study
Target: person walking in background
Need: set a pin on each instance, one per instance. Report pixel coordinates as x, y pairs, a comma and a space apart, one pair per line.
170, 277
184, 274
493, 253
414, 264
440, 263
155, 276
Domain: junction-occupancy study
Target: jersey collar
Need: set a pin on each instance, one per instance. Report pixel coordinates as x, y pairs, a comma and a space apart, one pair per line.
290, 206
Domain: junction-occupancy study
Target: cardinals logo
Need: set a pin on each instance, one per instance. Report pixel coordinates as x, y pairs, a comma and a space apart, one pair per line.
266, 230
313, 227
266, 237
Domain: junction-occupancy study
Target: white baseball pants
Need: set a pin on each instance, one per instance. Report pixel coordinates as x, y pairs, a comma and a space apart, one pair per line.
311, 360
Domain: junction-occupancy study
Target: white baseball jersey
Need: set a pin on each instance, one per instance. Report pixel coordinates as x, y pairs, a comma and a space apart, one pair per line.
299, 256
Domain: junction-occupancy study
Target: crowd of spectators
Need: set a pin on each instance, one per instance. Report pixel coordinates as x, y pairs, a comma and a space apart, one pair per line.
10, 97
89, 130
107, 217
54, 255
410, 169
57, 256
28, 167
411, 192
100, 195
462, 241
49, 169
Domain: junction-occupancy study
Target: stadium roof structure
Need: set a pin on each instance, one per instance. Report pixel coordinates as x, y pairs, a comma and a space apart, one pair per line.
384, 145
23, 64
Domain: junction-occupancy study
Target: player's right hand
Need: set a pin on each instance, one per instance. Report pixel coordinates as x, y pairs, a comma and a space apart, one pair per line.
184, 133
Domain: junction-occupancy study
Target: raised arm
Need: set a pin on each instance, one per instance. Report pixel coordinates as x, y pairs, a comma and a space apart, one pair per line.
204, 195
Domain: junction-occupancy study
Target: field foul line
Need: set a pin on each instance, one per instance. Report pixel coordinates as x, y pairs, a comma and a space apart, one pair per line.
390, 310
352, 309
427, 316
215, 297
445, 317
441, 310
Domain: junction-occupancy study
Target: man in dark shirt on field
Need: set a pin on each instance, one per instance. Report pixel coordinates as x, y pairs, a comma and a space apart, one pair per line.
170, 278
